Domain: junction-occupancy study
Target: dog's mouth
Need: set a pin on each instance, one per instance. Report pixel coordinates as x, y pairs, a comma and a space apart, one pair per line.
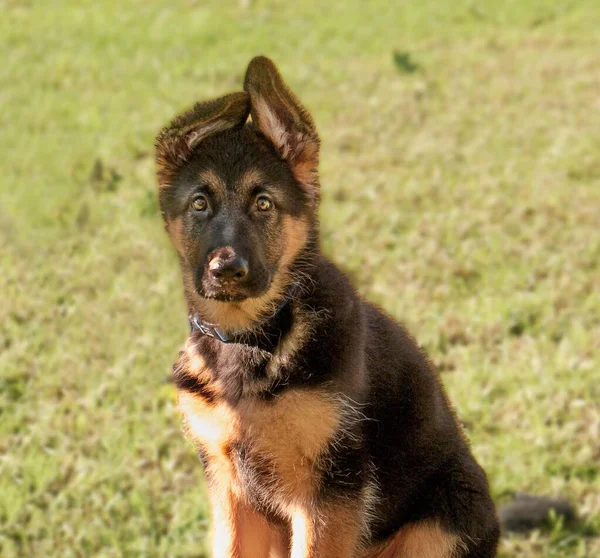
222, 292
231, 292
225, 296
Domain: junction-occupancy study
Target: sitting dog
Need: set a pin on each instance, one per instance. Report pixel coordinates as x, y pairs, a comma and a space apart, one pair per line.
322, 427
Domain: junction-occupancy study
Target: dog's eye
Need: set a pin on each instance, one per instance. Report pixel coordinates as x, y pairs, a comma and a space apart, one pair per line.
263, 203
199, 203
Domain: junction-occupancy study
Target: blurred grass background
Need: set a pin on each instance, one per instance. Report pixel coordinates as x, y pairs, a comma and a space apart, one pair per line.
461, 190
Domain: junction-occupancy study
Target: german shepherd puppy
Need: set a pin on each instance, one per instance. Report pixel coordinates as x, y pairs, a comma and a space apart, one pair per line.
322, 427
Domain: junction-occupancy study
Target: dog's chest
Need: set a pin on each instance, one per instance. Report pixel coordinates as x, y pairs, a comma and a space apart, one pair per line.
263, 448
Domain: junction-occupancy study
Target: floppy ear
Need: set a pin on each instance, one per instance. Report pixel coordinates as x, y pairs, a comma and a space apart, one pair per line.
278, 115
177, 141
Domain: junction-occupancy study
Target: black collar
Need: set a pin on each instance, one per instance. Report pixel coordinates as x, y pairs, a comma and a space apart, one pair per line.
206, 328
266, 336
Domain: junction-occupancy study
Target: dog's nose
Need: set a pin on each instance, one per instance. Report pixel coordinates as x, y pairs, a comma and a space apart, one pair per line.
234, 268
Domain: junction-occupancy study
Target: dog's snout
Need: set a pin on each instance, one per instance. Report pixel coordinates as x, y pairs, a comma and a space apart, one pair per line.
228, 267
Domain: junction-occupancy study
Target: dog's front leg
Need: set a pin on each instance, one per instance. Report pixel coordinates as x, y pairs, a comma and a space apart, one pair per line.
238, 530
328, 532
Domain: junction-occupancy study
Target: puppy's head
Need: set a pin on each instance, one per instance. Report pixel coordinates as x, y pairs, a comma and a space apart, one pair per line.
239, 199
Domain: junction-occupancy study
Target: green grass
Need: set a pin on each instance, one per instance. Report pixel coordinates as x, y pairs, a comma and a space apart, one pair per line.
461, 190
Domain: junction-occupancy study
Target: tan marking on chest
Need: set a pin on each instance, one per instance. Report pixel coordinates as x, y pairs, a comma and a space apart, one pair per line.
192, 364
195, 362
288, 434
292, 433
212, 426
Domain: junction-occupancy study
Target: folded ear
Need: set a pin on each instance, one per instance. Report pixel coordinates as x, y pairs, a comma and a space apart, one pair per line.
279, 115
176, 142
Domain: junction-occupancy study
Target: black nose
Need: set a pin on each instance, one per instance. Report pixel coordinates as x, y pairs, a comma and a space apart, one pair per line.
228, 269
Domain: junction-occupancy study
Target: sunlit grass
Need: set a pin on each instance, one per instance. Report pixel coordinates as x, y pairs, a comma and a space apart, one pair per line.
461, 190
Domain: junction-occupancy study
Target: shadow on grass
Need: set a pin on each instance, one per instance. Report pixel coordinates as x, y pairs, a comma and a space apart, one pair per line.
405, 63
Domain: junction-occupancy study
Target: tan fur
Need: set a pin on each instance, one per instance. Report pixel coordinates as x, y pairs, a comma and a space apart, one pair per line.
212, 428
224, 535
194, 362
304, 159
290, 432
272, 126
194, 365
305, 167
340, 533
280, 542
333, 532
293, 433
175, 230
295, 231
302, 534
251, 178
212, 179
420, 540
253, 532
238, 530
240, 315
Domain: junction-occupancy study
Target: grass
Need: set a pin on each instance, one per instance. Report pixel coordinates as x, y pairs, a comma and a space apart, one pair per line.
461, 190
